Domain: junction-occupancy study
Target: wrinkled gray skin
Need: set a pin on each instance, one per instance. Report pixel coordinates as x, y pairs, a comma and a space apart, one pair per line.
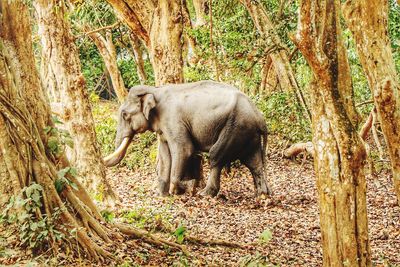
197, 117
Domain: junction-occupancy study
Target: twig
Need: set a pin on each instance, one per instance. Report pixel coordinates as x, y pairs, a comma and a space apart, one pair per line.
99, 29
364, 103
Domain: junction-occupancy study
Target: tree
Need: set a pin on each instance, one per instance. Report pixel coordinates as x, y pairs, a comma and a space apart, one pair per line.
278, 55
160, 25
368, 21
138, 54
200, 9
107, 50
339, 152
29, 164
25, 157
63, 60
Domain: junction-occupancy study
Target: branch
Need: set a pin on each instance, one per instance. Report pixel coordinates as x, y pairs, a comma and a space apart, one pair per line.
365, 103
308, 147
98, 30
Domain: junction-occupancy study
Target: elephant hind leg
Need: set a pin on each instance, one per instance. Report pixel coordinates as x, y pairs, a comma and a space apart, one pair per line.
254, 162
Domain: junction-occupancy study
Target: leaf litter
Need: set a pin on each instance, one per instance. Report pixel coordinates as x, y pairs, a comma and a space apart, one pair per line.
282, 230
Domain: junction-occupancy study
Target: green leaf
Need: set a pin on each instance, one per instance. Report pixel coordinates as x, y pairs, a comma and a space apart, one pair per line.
56, 120
59, 184
265, 236
73, 172
180, 234
61, 173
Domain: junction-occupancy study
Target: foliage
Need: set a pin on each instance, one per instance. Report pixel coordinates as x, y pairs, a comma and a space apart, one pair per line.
180, 233
58, 138
33, 231
280, 111
62, 180
107, 215
265, 236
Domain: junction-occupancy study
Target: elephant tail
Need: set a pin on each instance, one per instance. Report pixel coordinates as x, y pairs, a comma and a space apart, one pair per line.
264, 139
264, 146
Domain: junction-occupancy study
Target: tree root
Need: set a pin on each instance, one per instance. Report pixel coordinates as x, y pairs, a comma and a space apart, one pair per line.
217, 242
149, 238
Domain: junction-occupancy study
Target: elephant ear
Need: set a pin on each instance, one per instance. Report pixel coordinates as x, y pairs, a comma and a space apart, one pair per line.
148, 104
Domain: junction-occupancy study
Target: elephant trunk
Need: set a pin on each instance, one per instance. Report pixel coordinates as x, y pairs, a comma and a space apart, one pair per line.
118, 154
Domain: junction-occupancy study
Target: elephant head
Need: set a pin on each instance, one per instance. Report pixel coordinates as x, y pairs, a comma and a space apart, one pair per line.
133, 118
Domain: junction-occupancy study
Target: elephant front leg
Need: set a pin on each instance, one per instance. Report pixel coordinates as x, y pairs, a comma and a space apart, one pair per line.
163, 168
179, 159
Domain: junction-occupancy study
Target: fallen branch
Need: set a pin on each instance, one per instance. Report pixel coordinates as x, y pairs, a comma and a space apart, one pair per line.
308, 147
298, 148
217, 242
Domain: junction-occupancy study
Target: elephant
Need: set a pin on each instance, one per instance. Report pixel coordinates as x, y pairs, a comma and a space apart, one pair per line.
191, 118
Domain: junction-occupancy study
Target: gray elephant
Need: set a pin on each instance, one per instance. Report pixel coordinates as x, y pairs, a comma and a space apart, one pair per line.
189, 118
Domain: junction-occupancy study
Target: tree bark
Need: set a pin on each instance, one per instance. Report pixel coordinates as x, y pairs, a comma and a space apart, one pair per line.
159, 24
279, 57
166, 45
24, 158
368, 21
200, 9
138, 54
62, 56
339, 152
107, 51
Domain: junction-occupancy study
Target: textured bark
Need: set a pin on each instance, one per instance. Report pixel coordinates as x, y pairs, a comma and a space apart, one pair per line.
339, 152
138, 54
279, 57
58, 42
24, 114
166, 45
200, 9
107, 51
368, 21
160, 25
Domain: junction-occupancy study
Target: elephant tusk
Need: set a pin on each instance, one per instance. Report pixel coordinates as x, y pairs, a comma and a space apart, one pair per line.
118, 154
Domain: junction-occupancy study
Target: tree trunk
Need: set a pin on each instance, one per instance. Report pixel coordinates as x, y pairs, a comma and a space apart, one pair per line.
200, 9
107, 51
166, 45
138, 54
24, 157
279, 57
63, 58
339, 152
159, 24
368, 22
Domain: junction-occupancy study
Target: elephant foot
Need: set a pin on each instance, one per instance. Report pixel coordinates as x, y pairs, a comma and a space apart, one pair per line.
209, 191
264, 193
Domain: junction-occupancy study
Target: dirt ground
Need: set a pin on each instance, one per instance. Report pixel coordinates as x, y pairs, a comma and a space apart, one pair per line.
291, 217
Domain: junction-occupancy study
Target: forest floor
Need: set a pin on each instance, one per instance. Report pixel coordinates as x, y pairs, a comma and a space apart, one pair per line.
289, 220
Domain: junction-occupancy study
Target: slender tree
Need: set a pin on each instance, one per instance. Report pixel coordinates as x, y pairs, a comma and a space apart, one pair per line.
62, 58
106, 47
160, 25
278, 56
339, 151
368, 21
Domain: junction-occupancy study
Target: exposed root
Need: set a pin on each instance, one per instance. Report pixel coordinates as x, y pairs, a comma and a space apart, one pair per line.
149, 238
217, 242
